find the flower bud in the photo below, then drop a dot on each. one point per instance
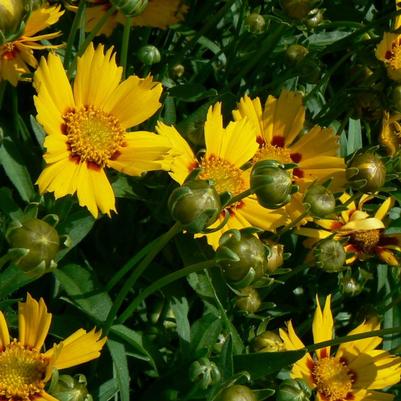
(205, 372)
(271, 183)
(13, 15)
(350, 286)
(177, 71)
(149, 55)
(296, 53)
(130, 8)
(237, 392)
(256, 23)
(249, 301)
(70, 388)
(329, 255)
(314, 18)
(40, 240)
(249, 256)
(275, 259)
(298, 9)
(268, 341)
(366, 172)
(293, 390)
(321, 200)
(196, 205)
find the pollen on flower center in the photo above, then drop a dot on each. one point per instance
(366, 240)
(93, 135)
(272, 152)
(393, 56)
(22, 373)
(333, 378)
(7, 51)
(226, 176)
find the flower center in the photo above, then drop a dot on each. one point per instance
(272, 152)
(21, 373)
(93, 135)
(333, 378)
(366, 240)
(8, 51)
(393, 56)
(226, 176)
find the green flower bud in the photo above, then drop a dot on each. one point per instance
(40, 240)
(237, 392)
(314, 18)
(249, 256)
(149, 55)
(350, 286)
(268, 341)
(321, 200)
(396, 98)
(366, 172)
(130, 8)
(70, 388)
(196, 205)
(13, 16)
(275, 259)
(296, 53)
(249, 301)
(205, 372)
(330, 255)
(256, 23)
(293, 390)
(177, 71)
(271, 183)
(298, 9)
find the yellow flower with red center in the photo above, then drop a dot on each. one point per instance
(354, 372)
(279, 136)
(158, 14)
(390, 135)
(227, 150)
(87, 126)
(362, 234)
(24, 369)
(17, 56)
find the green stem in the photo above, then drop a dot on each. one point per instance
(240, 196)
(73, 32)
(166, 280)
(124, 45)
(92, 35)
(3, 85)
(162, 241)
(354, 337)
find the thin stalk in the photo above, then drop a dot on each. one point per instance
(166, 280)
(162, 241)
(125, 45)
(73, 32)
(240, 196)
(3, 85)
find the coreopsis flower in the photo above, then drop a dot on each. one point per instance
(158, 14)
(25, 369)
(354, 372)
(363, 236)
(17, 56)
(278, 126)
(227, 150)
(390, 135)
(87, 126)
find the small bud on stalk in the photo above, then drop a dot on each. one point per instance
(314, 18)
(13, 16)
(249, 301)
(196, 205)
(149, 55)
(298, 9)
(70, 388)
(329, 255)
(205, 372)
(293, 390)
(296, 53)
(130, 8)
(268, 341)
(321, 200)
(177, 71)
(256, 23)
(237, 392)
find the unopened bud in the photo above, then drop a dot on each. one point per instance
(296, 53)
(249, 301)
(293, 390)
(70, 388)
(321, 200)
(130, 8)
(330, 255)
(298, 9)
(237, 392)
(256, 23)
(205, 372)
(149, 55)
(268, 341)
(275, 259)
(314, 18)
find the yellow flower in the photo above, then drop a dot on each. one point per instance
(227, 150)
(390, 135)
(279, 127)
(24, 368)
(86, 127)
(354, 372)
(17, 56)
(362, 234)
(158, 14)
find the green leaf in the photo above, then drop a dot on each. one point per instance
(15, 169)
(83, 289)
(107, 390)
(204, 332)
(12, 279)
(38, 131)
(180, 308)
(354, 141)
(8, 205)
(120, 363)
(191, 92)
(260, 364)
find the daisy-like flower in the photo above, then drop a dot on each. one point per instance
(17, 56)
(390, 135)
(158, 14)
(363, 235)
(25, 370)
(87, 126)
(227, 150)
(279, 125)
(354, 372)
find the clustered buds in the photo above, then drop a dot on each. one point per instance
(204, 372)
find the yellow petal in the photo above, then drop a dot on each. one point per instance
(4, 333)
(387, 256)
(384, 208)
(34, 322)
(41, 19)
(322, 326)
(370, 223)
(377, 396)
(252, 110)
